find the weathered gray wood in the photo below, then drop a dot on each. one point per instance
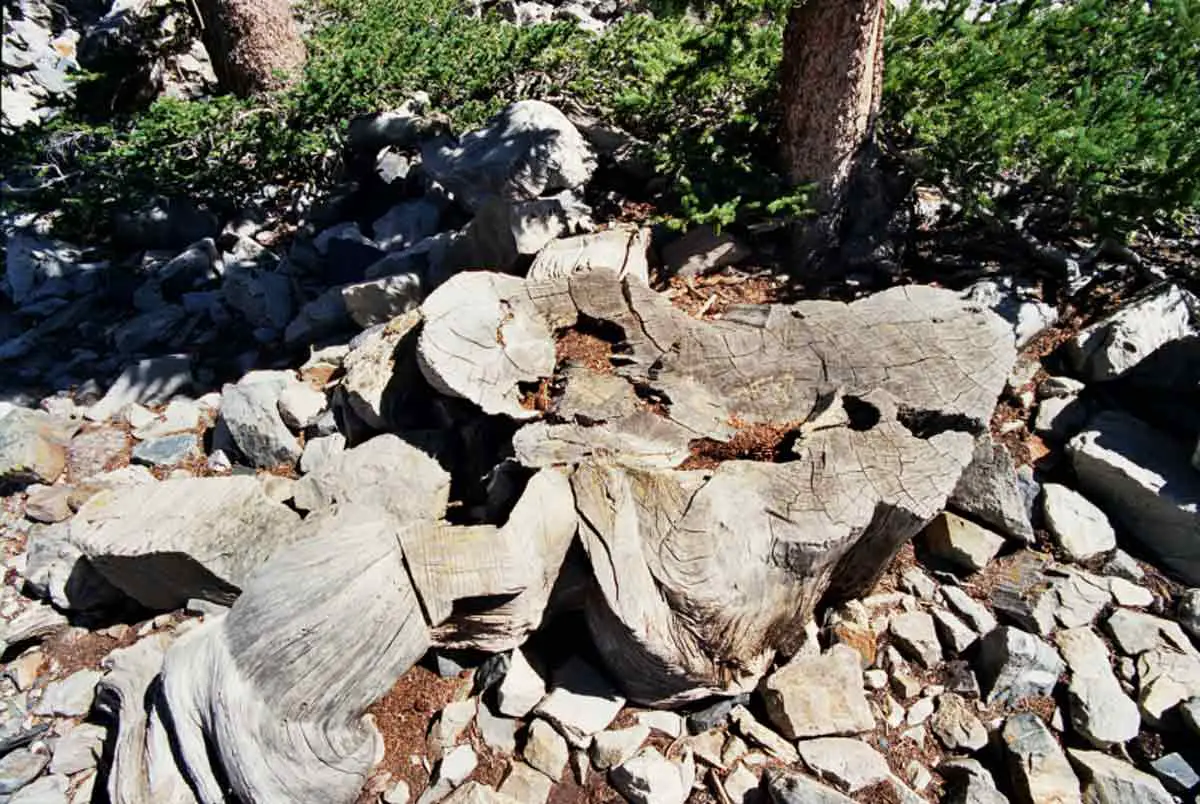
(621, 250)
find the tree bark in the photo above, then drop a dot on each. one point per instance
(254, 45)
(831, 81)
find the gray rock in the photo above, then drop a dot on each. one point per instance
(450, 724)
(166, 451)
(1123, 565)
(70, 697)
(1110, 780)
(1043, 597)
(180, 415)
(662, 721)
(150, 329)
(1080, 529)
(961, 542)
(916, 582)
(397, 794)
(989, 491)
(378, 301)
(48, 504)
(318, 319)
(817, 696)
(319, 451)
(582, 702)
(1188, 612)
(713, 715)
(1125, 593)
(522, 688)
(1060, 418)
(1059, 387)
(1190, 712)
(546, 750)
(300, 405)
(250, 413)
(745, 724)
(956, 635)
(957, 726)
(975, 613)
(620, 249)
(78, 750)
(526, 785)
(1136, 632)
(1144, 481)
(848, 764)
(914, 633)
(19, 768)
(651, 778)
(33, 447)
(528, 151)
(1100, 711)
(193, 538)
(1165, 680)
(611, 748)
(47, 790)
(1014, 664)
(455, 766)
(1108, 349)
(702, 251)
(406, 224)
(786, 787)
(372, 375)
(32, 262)
(403, 127)
(1040, 770)
(498, 733)
(1016, 304)
(57, 571)
(1176, 774)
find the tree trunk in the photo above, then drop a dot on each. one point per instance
(831, 80)
(254, 45)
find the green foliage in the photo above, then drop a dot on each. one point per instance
(1095, 102)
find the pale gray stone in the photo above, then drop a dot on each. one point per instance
(498, 733)
(377, 301)
(916, 636)
(848, 764)
(1108, 349)
(1100, 711)
(47, 790)
(169, 450)
(406, 224)
(990, 492)
(957, 726)
(455, 766)
(1014, 664)
(250, 414)
(745, 724)
(1126, 593)
(19, 768)
(702, 251)
(300, 404)
(33, 446)
(1107, 779)
(661, 720)
(582, 702)
(650, 778)
(70, 697)
(786, 787)
(1040, 770)
(319, 451)
(620, 249)
(1136, 632)
(1059, 418)
(48, 504)
(956, 635)
(1080, 529)
(1188, 612)
(961, 542)
(611, 748)
(546, 749)
(526, 785)
(78, 750)
(816, 696)
(1176, 774)
(522, 688)
(1166, 679)
(975, 613)
(450, 724)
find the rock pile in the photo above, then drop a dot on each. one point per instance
(650, 554)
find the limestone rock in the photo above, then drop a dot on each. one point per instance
(956, 635)
(1060, 418)
(19, 768)
(975, 613)
(581, 703)
(817, 696)
(1043, 597)
(1080, 529)
(195, 538)
(451, 771)
(990, 492)
(1040, 770)
(611, 748)
(651, 778)
(957, 726)
(1144, 481)
(1136, 632)
(318, 452)
(1188, 613)
(70, 697)
(546, 750)
(961, 543)
(848, 764)
(785, 787)
(1165, 680)
(1014, 664)
(916, 636)
(451, 722)
(1109, 779)
(756, 733)
(1100, 710)
(78, 750)
(33, 447)
(250, 414)
(48, 504)
(1175, 772)
(526, 785)
(300, 405)
(46, 790)
(166, 451)
(522, 688)
(149, 381)
(1111, 347)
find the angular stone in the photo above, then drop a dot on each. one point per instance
(48, 504)
(147, 382)
(968, 782)
(1100, 711)
(1126, 593)
(957, 726)
(1043, 597)
(372, 375)
(956, 635)
(1108, 349)
(451, 722)
(318, 452)
(848, 764)
(611, 748)
(526, 785)
(1176, 774)
(78, 750)
(1080, 529)
(668, 723)
(546, 750)
(747, 726)
(1136, 632)
(1112, 781)
(786, 787)
(1187, 613)
(990, 492)
(651, 778)
(498, 733)
(522, 688)
(250, 413)
(476, 793)
(455, 767)
(378, 301)
(916, 636)
(169, 450)
(1143, 479)
(919, 712)
(975, 613)
(70, 697)
(961, 542)
(1040, 770)
(582, 702)
(1060, 418)
(47, 790)
(300, 404)
(1165, 680)
(702, 251)
(33, 447)
(19, 768)
(195, 538)
(1014, 664)
(94, 452)
(816, 696)
(406, 224)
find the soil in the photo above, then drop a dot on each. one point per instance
(710, 297)
(751, 442)
(585, 348)
(73, 650)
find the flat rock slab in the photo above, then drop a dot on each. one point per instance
(1014, 664)
(1100, 710)
(146, 382)
(250, 414)
(848, 764)
(818, 696)
(33, 446)
(1143, 479)
(1112, 781)
(961, 543)
(191, 538)
(1080, 529)
(1040, 769)
(990, 491)
(1108, 349)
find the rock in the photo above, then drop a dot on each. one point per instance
(166, 451)
(668, 723)
(92, 453)
(320, 318)
(741, 786)
(1129, 594)
(611, 748)
(498, 733)
(48, 504)
(1100, 711)
(747, 726)
(47, 790)
(71, 697)
(960, 542)
(1060, 418)
(1123, 565)
(33, 447)
(956, 725)
(786, 787)
(1040, 770)
(914, 633)
(1144, 481)
(1165, 680)
(1176, 774)
(1043, 597)
(455, 766)
(1136, 632)
(546, 750)
(195, 538)
(581, 703)
(1190, 711)
(848, 764)
(180, 416)
(968, 782)
(816, 696)
(300, 405)
(522, 688)
(406, 224)
(1187, 613)
(1014, 664)
(1080, 529)
(373, 378)
(24, 670)
(319, 452)
(378, 301)
(621, 250)
(702, 251)
(526, 785)
(914, 581)
(650, 778)
(19, 768)
(1110, 780)
(713, 715)
(990, 492)
(1108, 349)
(971, 610)
(451, 722)
(250, 413)
(78, 750)
(956, 635)
(919, 712)
(529, 150)
(397, 794)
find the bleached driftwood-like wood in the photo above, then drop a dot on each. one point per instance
(621, 250)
